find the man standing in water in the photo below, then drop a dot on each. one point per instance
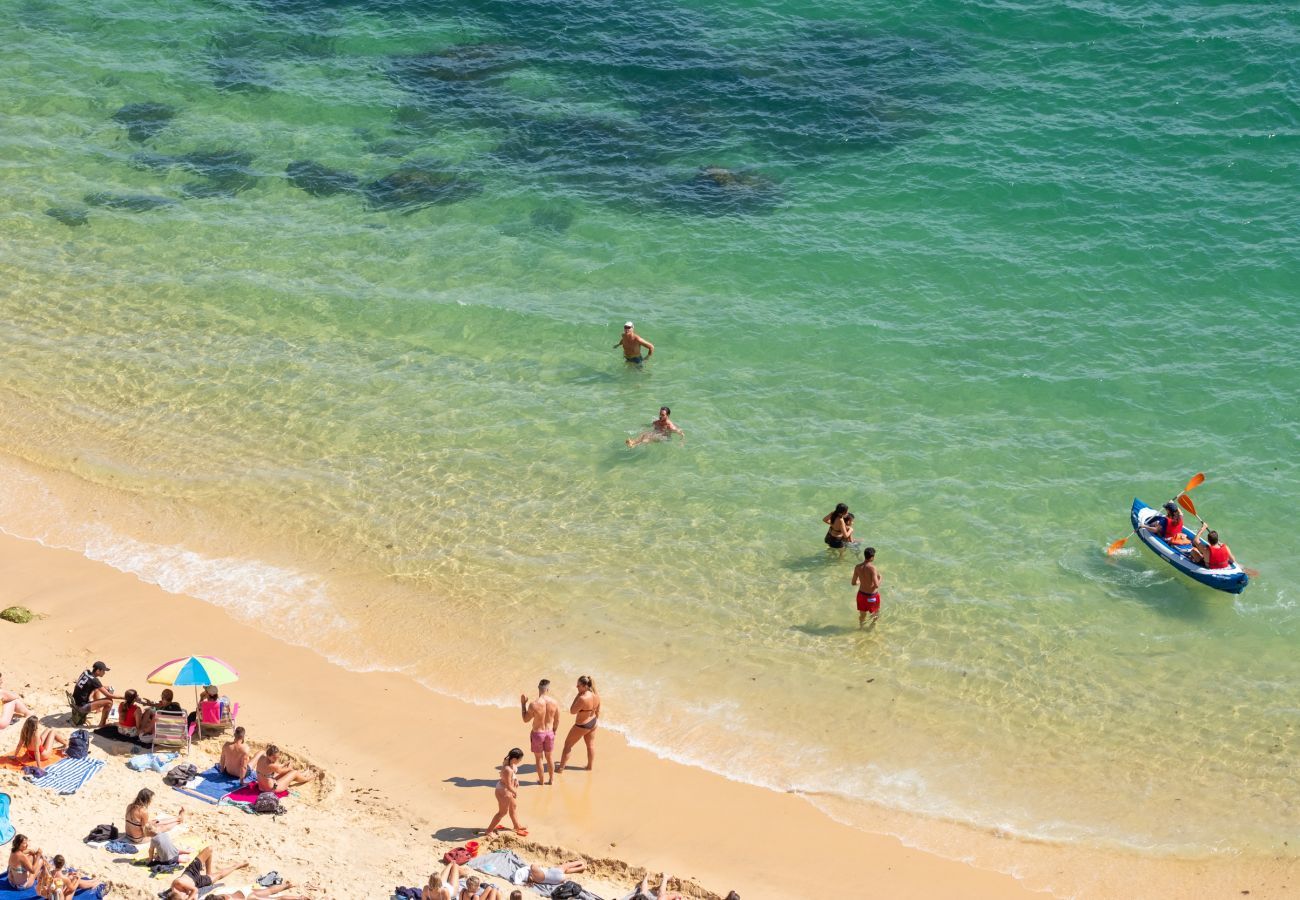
(661, 429)
(867, 577)
(631, 342)
(544, 716)
(586, 711)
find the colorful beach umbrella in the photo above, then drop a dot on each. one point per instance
(195, 670)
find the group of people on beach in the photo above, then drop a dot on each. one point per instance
(543, 717)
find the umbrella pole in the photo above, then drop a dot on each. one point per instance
(198, 713)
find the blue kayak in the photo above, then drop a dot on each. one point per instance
(1232, 579)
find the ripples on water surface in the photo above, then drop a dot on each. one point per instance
(348, 274)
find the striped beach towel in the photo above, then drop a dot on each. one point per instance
(67, 776)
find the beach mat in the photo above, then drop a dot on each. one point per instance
(111, 732)
(17, 764)
(249, 794)
(211, 786)
(67, 776)
(12, 893)
(499, 863)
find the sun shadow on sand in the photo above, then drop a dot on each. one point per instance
(455, 834)
(470, 782)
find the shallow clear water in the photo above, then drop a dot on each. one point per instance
(985, 271)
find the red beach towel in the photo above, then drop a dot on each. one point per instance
(249, 794)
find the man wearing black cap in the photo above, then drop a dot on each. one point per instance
(90, 694)
(631, 342)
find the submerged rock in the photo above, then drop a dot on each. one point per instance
(242, 75)
(553, 217)
(72, 216)
(462, 62)
(144, 120)
(132, 202)
(415, 187)
(319, 180)
(227, 172)
(717, 190)
(19, 615)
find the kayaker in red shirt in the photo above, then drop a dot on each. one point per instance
(1169, 526)
(1210, 553)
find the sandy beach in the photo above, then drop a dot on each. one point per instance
(405, 773)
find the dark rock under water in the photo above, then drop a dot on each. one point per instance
(319, 180)
(552, 217)
(415, 187)
(144, 120)
(131, 202)
(72, 216)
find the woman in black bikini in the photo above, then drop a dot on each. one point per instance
(835, 533)
(586, 709)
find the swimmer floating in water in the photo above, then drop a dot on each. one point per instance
(661, 429)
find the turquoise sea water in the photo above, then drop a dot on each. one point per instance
(983, 271)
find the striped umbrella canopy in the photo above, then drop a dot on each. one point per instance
(195, 670)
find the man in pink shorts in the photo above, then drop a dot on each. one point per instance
(867, 577)
(543, 714)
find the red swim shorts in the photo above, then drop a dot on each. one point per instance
(542, 741)
(869, 603)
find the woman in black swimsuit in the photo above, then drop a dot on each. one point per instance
(835, 533)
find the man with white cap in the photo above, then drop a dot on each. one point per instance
(631, 342)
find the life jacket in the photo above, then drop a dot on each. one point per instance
(1174, 530)
(1218, 557)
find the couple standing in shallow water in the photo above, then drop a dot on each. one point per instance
(866, 576)
(543, 715)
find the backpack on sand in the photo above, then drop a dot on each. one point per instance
(267, 802)
(567, 891)
(79, 744)
(180, 775)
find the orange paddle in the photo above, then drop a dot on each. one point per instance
(1183, 500)
(1186, 503)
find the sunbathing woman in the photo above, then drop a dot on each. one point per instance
(25, 864)
(508, 793)
(141, 829)
(11, 707)
(257, 892)
(57, 882)
(40, 746)
(436, 889)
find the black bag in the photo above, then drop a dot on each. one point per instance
(180, 775)
(101, 833)
(79, 744)
(569, 890)
(267, 802)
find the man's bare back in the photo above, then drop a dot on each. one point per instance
(234, 758)
(867, 577)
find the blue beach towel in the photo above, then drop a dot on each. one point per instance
(9, 893)
(155, 761)
(211, 786)
(6, 827)
(67, 776)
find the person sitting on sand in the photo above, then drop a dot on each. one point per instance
(273, 775)
(11, 706)
(508, 793)
(58, 882)
(661, 429)
(198, 875)
(257, 892)
(39, 745)
(130, 711)
(436, 889)
(235, 756)
(141, 828)
(641, 892)
(148, 716)
(25, 863)
(90, 694)
(535, 874)
(586, 710)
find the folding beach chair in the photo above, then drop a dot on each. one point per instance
(215, 716)
(6, 827)
(171, 729)
(78, 717)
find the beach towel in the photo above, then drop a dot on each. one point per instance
(18, 763)
(10, 893)
(155, 761)
(111, 732)
(249, 794)
(69, 775)
(210, 786)
(501, 863)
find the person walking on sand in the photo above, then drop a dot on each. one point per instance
(544, 716)
(586, 709)
(631, 342)
(508, 794)
(867, 577)
(661, 429)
